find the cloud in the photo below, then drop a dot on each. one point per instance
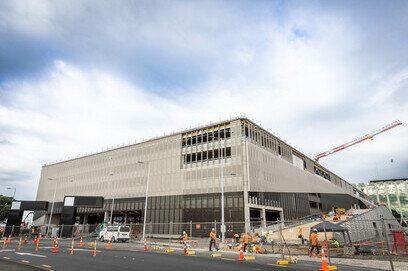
(78, 78)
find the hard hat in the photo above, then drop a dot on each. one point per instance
(213, 229)
(315, 229)
(184, 232)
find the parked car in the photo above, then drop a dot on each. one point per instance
(115, 233)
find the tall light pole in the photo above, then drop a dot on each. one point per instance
(14, 194)
(113, 194)
(147, 191)
(53, 201)
(52, 205)
(222, 196)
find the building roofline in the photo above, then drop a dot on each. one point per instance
(389, 180)
(153, 139)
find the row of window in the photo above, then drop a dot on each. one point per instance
(265, 140)
(207, 155)
(207, 137)
(322, 173)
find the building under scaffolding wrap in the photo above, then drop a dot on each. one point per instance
(264, 179)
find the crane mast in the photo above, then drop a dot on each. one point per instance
(358, 140)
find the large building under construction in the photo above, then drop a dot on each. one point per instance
(264, 179)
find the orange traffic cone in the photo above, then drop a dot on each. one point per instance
(185, 248)
(55, 250)
(145, 245)
(109, 244)
(25, 240)
(324, 262)
(80, 243)
(241, 254)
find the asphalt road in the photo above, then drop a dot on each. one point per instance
(112, 260)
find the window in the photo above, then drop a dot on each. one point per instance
(228, 133)
(204, 138)
(279, 150)
(198, 156)
(189, 141)
(210, 136)
(184, 142)
(198, 139)
(194, 140)
(193, 157)
(210, 155)
(204, 155)
(216, 154)
(221, 133)
(188, 158)
(215, 135)
(229, 152)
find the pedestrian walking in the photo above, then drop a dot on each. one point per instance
(213, 239)
(245, 239)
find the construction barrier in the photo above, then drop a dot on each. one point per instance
(94, 253)
(72, 247)
(185, 248)
(19, 244)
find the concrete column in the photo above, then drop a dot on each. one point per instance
(106, 217)
(85, 218)
(263, 213)
(126, 217)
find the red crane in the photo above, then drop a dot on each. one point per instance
(358, 140)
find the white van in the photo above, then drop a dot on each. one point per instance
(115, 233)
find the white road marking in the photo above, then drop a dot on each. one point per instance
(47, 266)
(6, 250)
(24, 261)
(30, 254)
(7, 258)
(83, 249)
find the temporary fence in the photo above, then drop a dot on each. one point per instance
(343, 238)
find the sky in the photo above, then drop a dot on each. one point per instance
(79, 77)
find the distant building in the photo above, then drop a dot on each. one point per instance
(391, 192)
(264, 179)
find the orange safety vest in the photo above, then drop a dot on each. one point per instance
(185, 237)
(212, 235)
(246, 238)
(300, 231)
(315, 240)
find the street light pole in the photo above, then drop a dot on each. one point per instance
(147, 191)
(52, 206)
(14, 194)
(222, 197)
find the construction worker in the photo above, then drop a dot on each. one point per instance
(300, 236)
(213, 239)
(245, 239)
(314, 241)
(185, 237)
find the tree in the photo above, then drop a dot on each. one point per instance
(5, 204)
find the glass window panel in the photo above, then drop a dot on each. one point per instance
(194, 140)
(204, 155)
(204, 137)
(198, 156)
(198, 139)
(210, 136)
